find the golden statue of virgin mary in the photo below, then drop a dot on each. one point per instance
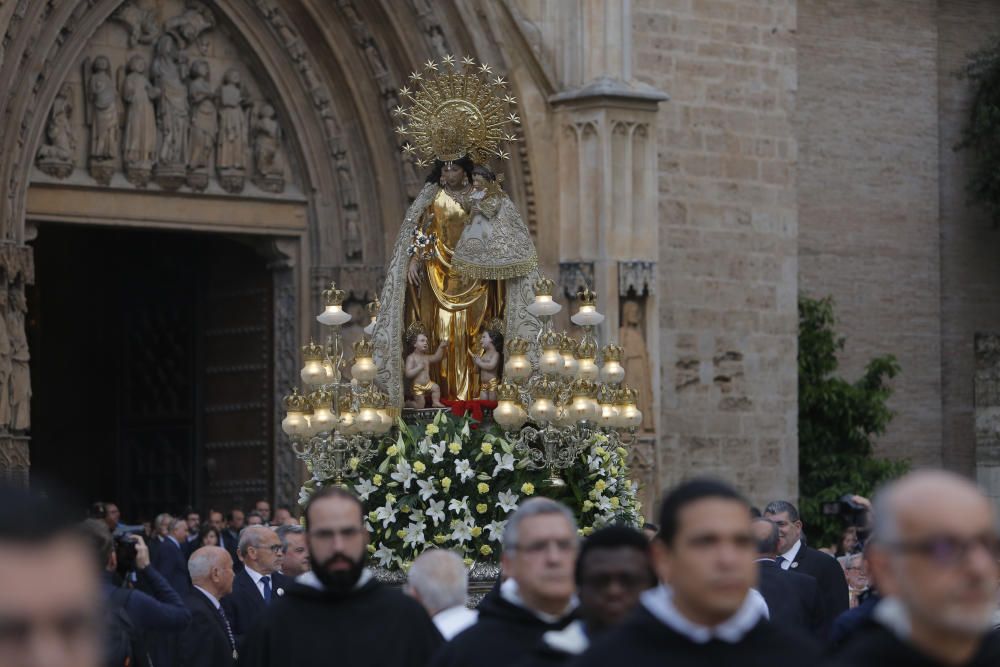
(463, 256)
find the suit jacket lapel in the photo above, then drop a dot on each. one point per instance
(251, 591)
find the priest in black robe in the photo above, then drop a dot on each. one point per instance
(934, 555)
(338, 614)
(705, 612)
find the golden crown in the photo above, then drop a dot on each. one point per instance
(516, 346)
(321, 398)
(363, 348)
(344, 403)
(544, 287)
(370, 398)
(587, 349)
(373, 307)
(498, 325)
(551, 340)
(568, 345)
(587, 297)
(612, 352)
(627, 395)
(415, 329)
(312, 351)
(333, 296)
(296, 402)
(606, 395)
(583, 388)
(456, 110)
(545, 388)
(507, 392)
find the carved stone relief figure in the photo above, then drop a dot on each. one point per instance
(232, 143)
(268, 157)
(204, 124)
(352, 236)
(55, 158)
(102, 115)
(169, 72)
(20, 379)
(140, 23)
(6, 361)
(140, 123)
(636, 360)
(188, 26)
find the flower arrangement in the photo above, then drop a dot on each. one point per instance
(422, 246)
(445, 484)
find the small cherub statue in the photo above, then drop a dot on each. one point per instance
(417, 369)
(490, 361)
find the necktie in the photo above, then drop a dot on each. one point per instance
(780, 560)
(229, 628)
(267, 589)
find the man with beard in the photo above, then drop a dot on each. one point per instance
(373, 624)
(934, 555)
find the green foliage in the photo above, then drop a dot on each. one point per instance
(838, 421)
(982, 134)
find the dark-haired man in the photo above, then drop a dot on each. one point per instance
(795, 554)
(706, 613)
(612, 570)
(793, 599)
(375, 624)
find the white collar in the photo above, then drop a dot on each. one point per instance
(659, 602)
(215, 601)
(509, 592)
(312, 581)
(891, 613)
(790, 555)
(572, 639)
(174, 540)
(255, 575)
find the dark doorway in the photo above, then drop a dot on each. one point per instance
(152, 364)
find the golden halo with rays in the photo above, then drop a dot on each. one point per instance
(456, 110)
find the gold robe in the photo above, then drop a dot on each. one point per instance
(449, 306)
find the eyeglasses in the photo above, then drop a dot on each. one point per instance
(948, 551)
(275, 548)
(543, 546)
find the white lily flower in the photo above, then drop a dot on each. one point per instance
(383, 555)
(465, 430)
(461, 531)
(414, 534)
(464, 470)
(504, 462)
(508, 501)
(364, 489)
(403, 475)
(438, 451)
(604, 504)
(459, 506)
(427, 489)
(386, 514)
(424, 445)
(495, 529)
(594, 462)
(436, 511)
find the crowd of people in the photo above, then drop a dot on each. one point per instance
(716, 582)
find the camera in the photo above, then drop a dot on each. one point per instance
(852, 513)
(125, 551)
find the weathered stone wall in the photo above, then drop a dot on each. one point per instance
(728, 249)
(867, 127)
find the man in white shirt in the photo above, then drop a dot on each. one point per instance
(260, 582)
(208, 640)
(439, 581)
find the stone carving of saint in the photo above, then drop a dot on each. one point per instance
(140, 122)
(20, 378)
(636, 360)
(188, 26)
(103, 117)
(172, 112)
(232, 142)
(352, 241)
(204, 124)
(55, 158)
(268, 158)
(6, 362)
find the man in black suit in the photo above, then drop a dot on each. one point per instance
(208, 640)
(793, 599)
(170, 561)
(796, 555)
(259, 583)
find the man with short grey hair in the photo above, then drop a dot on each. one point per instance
(295, 553)
(259, 583)
(439, 581)
(170, 560)
(539, 554)
(934, 554)
(209, 640)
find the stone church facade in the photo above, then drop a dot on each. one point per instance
(181, 178)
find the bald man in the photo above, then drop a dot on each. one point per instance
(439, 581)
(209, 640)
(934, 554)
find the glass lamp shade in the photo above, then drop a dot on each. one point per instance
(370, 329)
(609, 415)
(631, 416)
(551, 362)
(587, 370)
(323, 420)
(363, 369)
(313, 373)
(543, 306)
(570, 365)
(386, 421)
(368, 420)
(333, 316)
(542, 410)
(295, 423)
(587, 316)
(612, 372)
(517, 367)
(582, 409)
(509, 415)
